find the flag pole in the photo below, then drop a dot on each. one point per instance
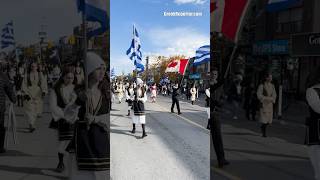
(15, 45)
(184, 72)
(85, 57)
(230, 60)
(85, 48)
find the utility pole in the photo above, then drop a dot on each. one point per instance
(147, 68)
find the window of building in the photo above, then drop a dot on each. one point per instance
(290, 21)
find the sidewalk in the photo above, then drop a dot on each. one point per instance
(282, 155)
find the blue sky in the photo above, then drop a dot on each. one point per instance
(159, 35)
(60, 16)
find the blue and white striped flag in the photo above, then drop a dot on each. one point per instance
(278, 5)
(7, 37)
(134, 52)
(202, 55)
(96, 11)
(113, 74)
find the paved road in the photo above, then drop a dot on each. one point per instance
(280, 156)
(175, 148)
(35, 155)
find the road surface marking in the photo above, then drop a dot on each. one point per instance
(225, 174)
(184, 118)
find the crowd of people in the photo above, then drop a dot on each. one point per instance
(79, 113)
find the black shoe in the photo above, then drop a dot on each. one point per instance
(128, 114)
(133, 131)
(172, 111)
(31, 129)
(3, 150)
(144, 135)
(223, 163)
(179, 113)
(60, 168)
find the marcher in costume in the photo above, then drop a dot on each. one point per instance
(153, 89)
(79, 74)
(90, 147)
(208, 105)
(139, 117)
(18, 84)
(6, 90)
(129, 97)
(34, 88)
(193, 92)
(62, 96)
(267, 96)
(44, 74)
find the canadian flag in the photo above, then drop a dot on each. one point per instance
(178, 66)
(227, 16)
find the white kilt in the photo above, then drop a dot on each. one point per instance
(208, 112)
(138, 119)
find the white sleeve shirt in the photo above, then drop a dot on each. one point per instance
(313, 98)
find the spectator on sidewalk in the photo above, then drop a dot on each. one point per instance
(6, 89)
(312, 123)
(267, 96)
(188, 95)
(235, 95)
(250, 102)
(216, 87)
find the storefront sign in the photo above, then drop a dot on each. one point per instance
(305, 44)
(275, 47)
(194, 76)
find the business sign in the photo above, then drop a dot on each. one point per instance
(194, 76)
(274, 47)
(305, 44)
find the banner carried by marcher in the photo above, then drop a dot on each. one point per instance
(95, 11)
(227, 17)
(134, 51)
(177, 66)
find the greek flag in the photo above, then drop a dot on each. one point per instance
(7, 37)
(96, 11)
(202, 55)
(278, 5)
(134, 52)
(113, 74)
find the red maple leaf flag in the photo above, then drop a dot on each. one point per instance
(227, 16)
(177, 66)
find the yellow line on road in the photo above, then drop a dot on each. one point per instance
(225, 174)
(184, 118)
